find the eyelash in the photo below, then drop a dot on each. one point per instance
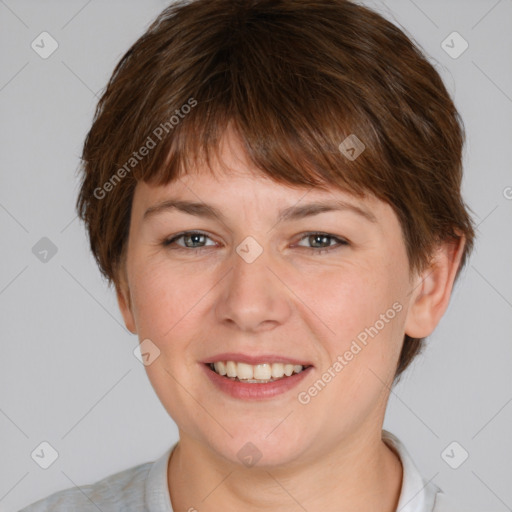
(172, 241)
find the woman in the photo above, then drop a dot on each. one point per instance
(273, 188)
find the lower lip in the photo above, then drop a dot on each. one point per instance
(255, 391)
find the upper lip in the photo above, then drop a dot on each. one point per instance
(254, 359)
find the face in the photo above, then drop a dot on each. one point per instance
(329, 290)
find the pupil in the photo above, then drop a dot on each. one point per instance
(194, 237)
(322, 238)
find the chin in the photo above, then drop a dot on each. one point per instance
(251, 447)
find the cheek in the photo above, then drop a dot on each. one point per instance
(364, 311)
(350, 299)
(363, 308)
(167, 305)
(163, 294)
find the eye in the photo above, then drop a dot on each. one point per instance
(193, 236)
(194, 241)
(319, 241)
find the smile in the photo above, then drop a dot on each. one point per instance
(260, 381)
(255, 374)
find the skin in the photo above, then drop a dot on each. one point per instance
(326, 455)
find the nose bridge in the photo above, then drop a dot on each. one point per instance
(252, 295)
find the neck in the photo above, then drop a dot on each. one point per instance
(357, 476)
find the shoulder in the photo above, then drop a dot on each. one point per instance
(444, 503)
(119, 491)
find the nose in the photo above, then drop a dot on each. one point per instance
(253, 296)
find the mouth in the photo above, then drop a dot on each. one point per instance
(263, 373)
(248, 377)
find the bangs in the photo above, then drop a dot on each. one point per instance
(308, 156)
(265, 82)
(284, 145)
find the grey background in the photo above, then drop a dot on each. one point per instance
(68, 374)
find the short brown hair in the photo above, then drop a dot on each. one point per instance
(295, 78)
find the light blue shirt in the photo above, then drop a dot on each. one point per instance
(144, 488)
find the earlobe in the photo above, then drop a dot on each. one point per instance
(124, 301)
(432, 289)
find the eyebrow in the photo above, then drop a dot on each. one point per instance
(288, 214)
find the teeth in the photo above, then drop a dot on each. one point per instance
(262, 372)
(277, 370)
(231, 369)
(265, 372)
(220, 368)
(244, 371)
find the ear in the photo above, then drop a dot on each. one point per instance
(124, 301)
(432, 289)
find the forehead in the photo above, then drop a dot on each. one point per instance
(232, 180)
(250, 197)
